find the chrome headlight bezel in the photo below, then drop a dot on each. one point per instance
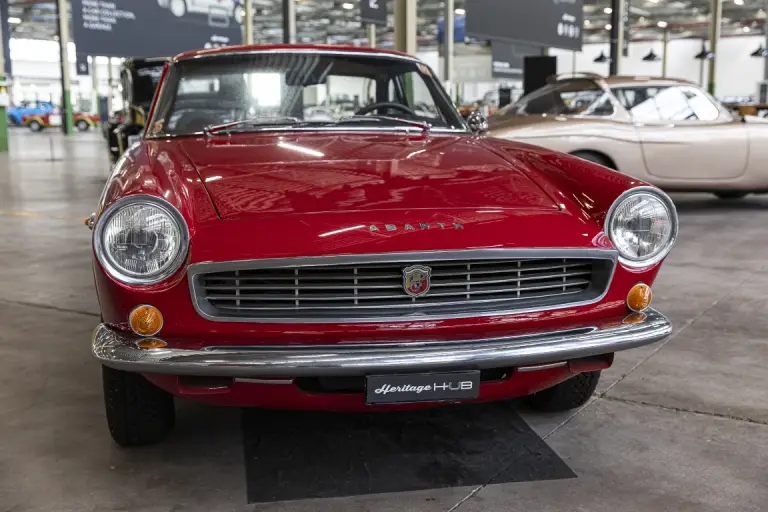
(669, 207)
(137, 200)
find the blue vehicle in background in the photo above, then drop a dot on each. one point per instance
(17, 113)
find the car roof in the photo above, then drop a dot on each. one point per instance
(624, 80)
(228, 50)
(644, 80)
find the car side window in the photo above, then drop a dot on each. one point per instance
(704, 109)
(665, 104)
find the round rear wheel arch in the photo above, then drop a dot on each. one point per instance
(596, 157)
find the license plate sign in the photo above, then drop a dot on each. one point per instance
(422, 387)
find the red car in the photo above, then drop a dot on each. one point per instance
(246, 255)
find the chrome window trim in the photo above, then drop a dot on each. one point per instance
(409, 130)
(254, 51)
(197, 269)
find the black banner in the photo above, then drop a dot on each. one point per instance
(507, 58)
(550, 23)
(374, 11)
(129, 28)
(6, 28)
(81, 64)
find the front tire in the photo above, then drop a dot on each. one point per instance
(596, 158)
(82, 125)
(138, 413)
(567, 395)
(35, 126)
(730, 195)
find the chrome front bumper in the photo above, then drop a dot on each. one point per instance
(118, 349)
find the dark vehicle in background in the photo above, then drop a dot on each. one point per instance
(139, 78)
(117, 118)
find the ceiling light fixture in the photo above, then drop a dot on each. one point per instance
(586, 23)
(661, 24)
(14, 21)
(460, 12)
(738, 2)
(602, 58)
(607, 10)
(348, 5)
(745, 29)
(608, 26)
(651, 57)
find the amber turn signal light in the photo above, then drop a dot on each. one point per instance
(146, 320)
(639, 297)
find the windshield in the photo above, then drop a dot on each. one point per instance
(268, 90)
(568, 97)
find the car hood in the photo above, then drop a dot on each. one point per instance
(335, 172)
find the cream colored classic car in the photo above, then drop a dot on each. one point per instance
(664, 131)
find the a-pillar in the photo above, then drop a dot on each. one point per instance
(716, 18)
(66, 102)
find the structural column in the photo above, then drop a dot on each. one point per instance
(714, 37)
(289, 21)
(448, 39)
(94, 85)
(765, 60)
(248, 23)
(4, 86)
(664, 53)
(617, 36)
(66, 103)
(405, 26)
(371, 35)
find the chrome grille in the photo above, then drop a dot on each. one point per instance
(373, 290)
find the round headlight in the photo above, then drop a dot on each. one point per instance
(642, 224)
(141, 240)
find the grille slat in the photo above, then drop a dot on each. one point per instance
(377, 306)
(339, 292)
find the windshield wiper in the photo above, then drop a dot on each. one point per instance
(424, 127)
(256, 121)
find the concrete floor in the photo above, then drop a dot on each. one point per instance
(678, 426)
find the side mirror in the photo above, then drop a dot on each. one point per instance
(477, 122)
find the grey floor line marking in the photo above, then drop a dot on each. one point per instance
(683, 409)
(601, 395)
(49, 307)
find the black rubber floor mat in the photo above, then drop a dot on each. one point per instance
(299, 455)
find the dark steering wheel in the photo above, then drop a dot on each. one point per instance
(384, 105)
